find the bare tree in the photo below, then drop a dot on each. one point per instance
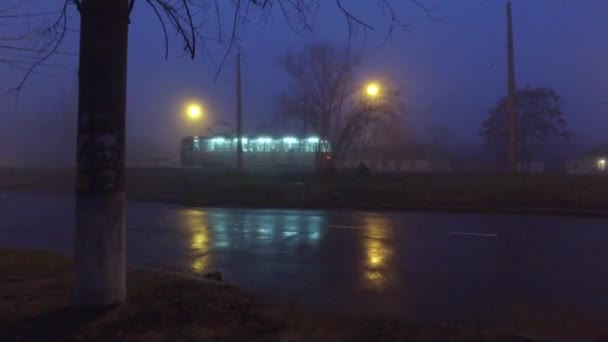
(327, 98)
(32, 38)
(100, 194)
(540, 119)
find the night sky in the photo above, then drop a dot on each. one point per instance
(451, 68)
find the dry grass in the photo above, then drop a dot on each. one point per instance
(532, 193)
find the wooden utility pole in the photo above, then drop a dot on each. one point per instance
(511, 100)
(239, 115)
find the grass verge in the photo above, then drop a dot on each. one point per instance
(585, 195)
(35, 293)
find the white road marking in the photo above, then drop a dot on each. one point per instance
(475, 234)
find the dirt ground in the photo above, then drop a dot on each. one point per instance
(35, 296)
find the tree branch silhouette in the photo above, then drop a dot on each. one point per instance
(186, 21)
(49, 39)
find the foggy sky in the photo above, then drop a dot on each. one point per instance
(451, 69)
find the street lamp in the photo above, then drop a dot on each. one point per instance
(372, 90)
(601, 164)
(194, 111)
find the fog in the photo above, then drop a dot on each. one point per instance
(451, 69)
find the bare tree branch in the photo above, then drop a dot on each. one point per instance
(189, 19)
(77, 3)
(352, 18)
(426, 9)
(162, 23)
(54, 36)
(131, 4)
(325, 96)
(233, 37)
(298, 14)
(24, 49)
(191, 24)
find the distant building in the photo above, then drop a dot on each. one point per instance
(539, 158)
(406, 158)
(593, 161)
(533, 166)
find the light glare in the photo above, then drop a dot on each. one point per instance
(194, 111)
(373, 89)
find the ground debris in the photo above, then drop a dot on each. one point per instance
(215, 276)
(166, 307)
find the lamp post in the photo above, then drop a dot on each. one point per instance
(512, 94)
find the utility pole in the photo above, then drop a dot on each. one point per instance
(239, 115)
(511, 100)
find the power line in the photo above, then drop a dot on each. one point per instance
(28, 15)
(23, 49)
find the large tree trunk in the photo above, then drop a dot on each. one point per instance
(100, 194)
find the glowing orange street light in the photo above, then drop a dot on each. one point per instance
(194, 111)
(372, 90)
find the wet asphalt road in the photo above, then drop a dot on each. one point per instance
(429, 266)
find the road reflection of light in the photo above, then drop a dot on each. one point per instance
(314, 228)
(378, 251)
(289, 234)
(291, 221)
(266, 226)
(375, 253)
(199, 240)
(198, 225)
(200, 264)
(290, 225)
(265, 231)
(219, 223)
